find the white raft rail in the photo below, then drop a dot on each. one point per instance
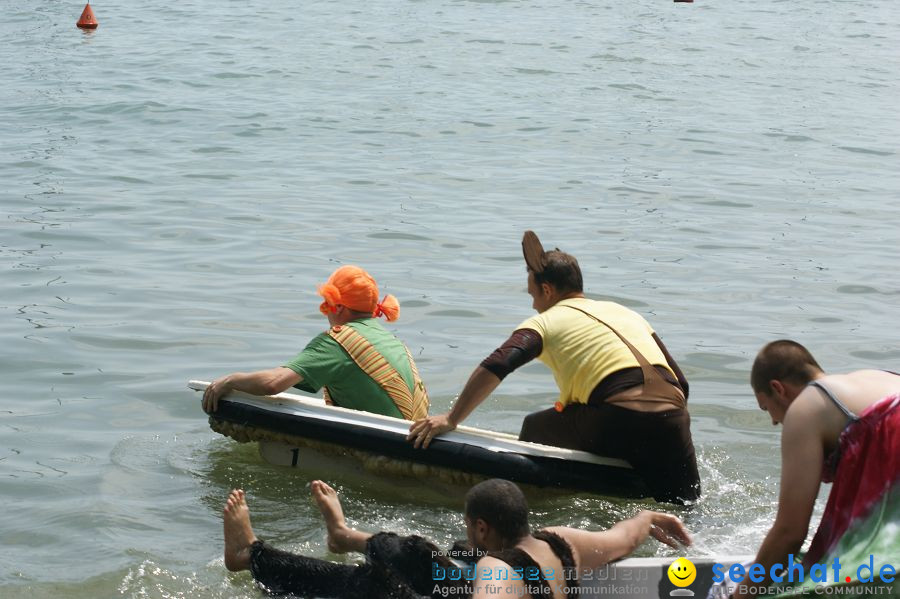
(469, 450)
(648, 578)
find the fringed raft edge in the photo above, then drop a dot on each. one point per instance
(374, 463)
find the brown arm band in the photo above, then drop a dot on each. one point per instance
(523, 346)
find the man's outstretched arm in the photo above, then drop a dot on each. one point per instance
(801, 467)
(596, 549)
(261, 382)
(522, 346)
(481, 383)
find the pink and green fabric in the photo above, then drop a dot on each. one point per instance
(862, 516)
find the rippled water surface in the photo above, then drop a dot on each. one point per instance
(177, 182)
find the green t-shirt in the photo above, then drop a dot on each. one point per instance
(324, 363)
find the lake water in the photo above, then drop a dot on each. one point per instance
(176, 183)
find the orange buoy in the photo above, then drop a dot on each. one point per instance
(87, 20)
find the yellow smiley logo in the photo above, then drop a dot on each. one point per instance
(682, 572)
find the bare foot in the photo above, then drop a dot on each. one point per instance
(330, 506)
(341, 538)
(238, 533)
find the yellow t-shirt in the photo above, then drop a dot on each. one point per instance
(581, 352)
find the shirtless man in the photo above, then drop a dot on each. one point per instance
(841, 427)
(496, 517)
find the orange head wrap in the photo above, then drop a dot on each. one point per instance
(354, 288)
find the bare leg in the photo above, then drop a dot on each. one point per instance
(238, 533)
(341, 538)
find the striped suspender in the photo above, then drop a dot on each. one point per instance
(412, 405)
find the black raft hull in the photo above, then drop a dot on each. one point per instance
(285, 423)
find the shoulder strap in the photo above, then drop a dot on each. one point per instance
(655, 387)
(412, 404)
(518, 559)
(850, 415)
(562, 550)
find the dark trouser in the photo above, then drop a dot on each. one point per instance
(396, 568)
(657, 444)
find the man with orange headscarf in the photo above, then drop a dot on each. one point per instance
(359, 363)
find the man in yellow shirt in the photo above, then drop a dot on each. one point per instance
(621, 394)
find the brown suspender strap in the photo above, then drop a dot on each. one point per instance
(656, 388)
(412, 405)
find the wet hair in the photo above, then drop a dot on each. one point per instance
(560, 270)
(501, 505)
(782, 360)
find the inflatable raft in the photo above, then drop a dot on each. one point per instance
(298, 431)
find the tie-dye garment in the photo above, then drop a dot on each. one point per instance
(862, 516)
